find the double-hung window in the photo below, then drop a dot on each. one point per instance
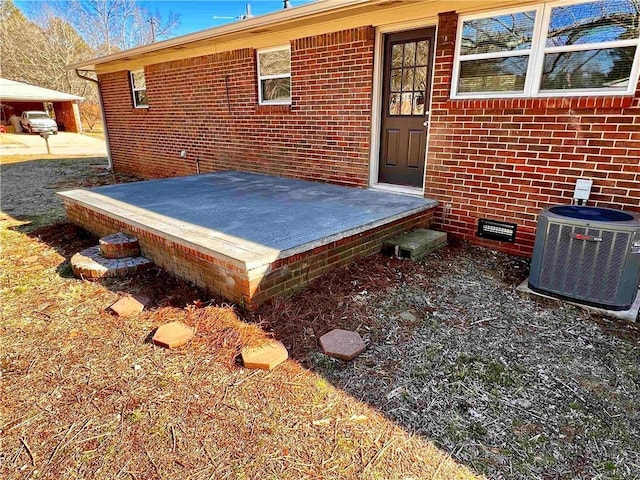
(274, 76)
(552, 49)
(138, 89)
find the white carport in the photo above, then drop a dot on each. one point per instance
(16, 97)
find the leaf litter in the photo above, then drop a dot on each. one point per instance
(460, 371)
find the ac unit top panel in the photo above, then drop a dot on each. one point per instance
(602, 218)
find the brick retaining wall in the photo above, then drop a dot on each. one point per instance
(247, 288)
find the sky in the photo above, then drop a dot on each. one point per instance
(196, 15)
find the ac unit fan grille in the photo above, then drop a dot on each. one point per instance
(587, 270)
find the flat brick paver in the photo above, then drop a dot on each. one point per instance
(266, 357)
(172, 335)
(129, 304)
(342, 344)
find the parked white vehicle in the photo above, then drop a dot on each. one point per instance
(35, 121)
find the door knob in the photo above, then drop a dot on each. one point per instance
(426, 123)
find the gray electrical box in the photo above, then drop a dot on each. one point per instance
(589, 255)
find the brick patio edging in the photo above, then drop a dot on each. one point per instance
(249, 289)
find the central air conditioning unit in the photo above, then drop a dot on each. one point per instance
(589, 255)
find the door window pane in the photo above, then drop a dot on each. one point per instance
(420, 80)
(394, 104)
(396, 80)
(422, 56)
(407, 104)
(409, 54)
(396, 55)
(418, 104)
(407, 80)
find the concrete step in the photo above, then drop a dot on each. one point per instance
(91, 264)
(119, 245)
(416, 244)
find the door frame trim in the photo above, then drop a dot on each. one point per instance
(376, 102)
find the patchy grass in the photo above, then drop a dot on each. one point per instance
(84, 393)
(29, 184)
(461, 373)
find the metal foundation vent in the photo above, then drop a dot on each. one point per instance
(587, 254)
(494, 230)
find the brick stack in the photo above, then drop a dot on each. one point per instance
(117, 255)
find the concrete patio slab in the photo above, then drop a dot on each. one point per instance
(245, 235)
(251, 218)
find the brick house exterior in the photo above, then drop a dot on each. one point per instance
(320, 136)
(498, 158)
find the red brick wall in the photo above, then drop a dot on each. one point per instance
(285, 276)
(324, 135)
(506, 159)
(64, 115)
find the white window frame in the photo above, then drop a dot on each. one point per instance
(261, 101)
(135, 89)
(536, 57)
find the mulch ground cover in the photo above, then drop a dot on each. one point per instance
(462, 377)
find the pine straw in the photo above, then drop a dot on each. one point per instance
(336, 300)
(85, 395)
(513, 387)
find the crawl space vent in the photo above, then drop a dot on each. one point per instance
(494, 230)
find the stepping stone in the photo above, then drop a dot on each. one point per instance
(416, 244)
(172, 335)
(407, 316)
(265, 357)
(342, 344)
(119, 245)
(91, 264)
(129, 304)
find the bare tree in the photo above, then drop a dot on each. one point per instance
(39, 51)
(112, 25)
(90, 113)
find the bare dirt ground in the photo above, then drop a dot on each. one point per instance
(462, 377)
(64, 143)
(28, 184)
